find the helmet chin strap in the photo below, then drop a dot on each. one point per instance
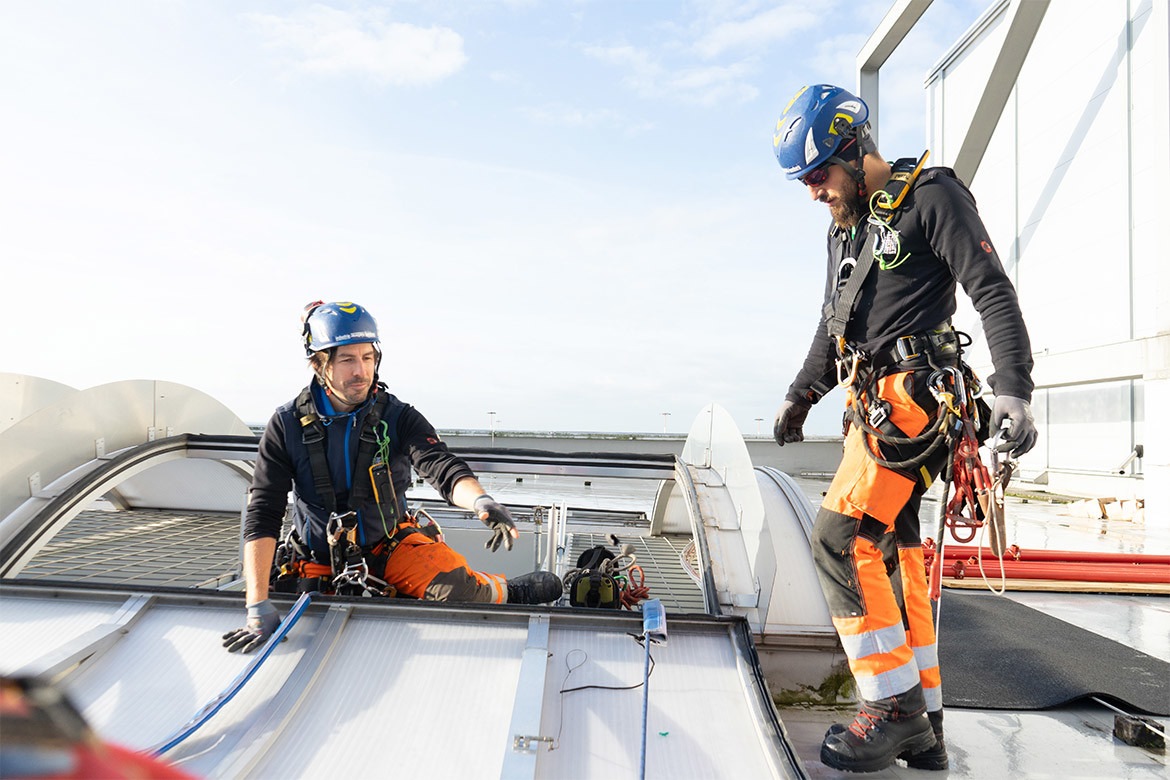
(857, 172)
(864, 145)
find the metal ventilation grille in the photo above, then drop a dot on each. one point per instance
(140, 546)
(660, 559)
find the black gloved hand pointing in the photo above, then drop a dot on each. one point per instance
(496, 517)
(263, 620)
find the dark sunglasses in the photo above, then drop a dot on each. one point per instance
(817, 176)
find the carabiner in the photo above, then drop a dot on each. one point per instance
(847, 380)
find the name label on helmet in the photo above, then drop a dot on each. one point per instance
(358, 336)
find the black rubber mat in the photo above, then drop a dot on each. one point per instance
(998, 654)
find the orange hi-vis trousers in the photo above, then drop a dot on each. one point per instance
(867, 548)
(429, 569)
(426, 568)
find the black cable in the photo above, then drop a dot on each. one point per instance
(637, 638)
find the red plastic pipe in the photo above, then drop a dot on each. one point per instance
(962, 552)
(1076, 571)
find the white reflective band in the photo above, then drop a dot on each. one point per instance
(926, 657)
(933, 698)
(884, 640)
(887, 684)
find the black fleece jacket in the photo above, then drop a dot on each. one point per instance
(940, 229)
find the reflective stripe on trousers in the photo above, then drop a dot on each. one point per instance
(868, 553)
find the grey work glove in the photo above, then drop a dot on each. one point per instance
(789, 424)
(1021, 435)
(262, 623)
(496, 517)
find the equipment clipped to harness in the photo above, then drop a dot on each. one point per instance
(351, 573)
(382, 479)
(883, 207)
(886, 201)
(384, 494)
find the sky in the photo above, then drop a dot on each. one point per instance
(565, 213)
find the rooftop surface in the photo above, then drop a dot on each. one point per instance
(162, 550)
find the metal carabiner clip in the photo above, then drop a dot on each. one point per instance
(849, 357)
(335, 526)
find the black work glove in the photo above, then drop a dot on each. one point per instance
(1021, 436)
(496, 517)
(789, 424)
(263, 621)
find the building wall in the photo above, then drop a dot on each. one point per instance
(1073, 187)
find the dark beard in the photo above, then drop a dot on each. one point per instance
(848, 211)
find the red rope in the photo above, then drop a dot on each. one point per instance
(968, 506)
(632, 593)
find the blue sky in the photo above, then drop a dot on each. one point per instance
(564, 212)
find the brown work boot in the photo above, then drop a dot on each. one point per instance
(880, 732)
(934, 758)
(536, 587)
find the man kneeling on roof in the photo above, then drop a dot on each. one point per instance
(345, 446)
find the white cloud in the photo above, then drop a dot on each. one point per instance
(712, 85)
(332, 42)
(571, 116)
(702, 85)
(766, 27)
(565, 115)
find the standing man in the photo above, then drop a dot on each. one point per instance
(900, 239)
(345, 446)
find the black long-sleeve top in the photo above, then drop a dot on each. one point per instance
(283, 464)
(939, 226)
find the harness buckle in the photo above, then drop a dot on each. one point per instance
(906, 349)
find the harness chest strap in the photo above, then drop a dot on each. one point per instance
(313, 437)
(839, 310)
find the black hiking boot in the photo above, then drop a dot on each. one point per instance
(537, 587)
(934, 759)
(881, 731)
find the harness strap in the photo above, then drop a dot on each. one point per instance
(313, 437)
(367, 446)
(386, 547)
(319, 576)
(936, 346)
(839, 311)
(905, 174)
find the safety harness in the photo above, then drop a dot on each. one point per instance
(313, 437)
(961, 424)
(348, 572)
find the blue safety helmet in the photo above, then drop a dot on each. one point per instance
(817, 123)
(329, 325)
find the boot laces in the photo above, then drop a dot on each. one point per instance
(864, 722)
